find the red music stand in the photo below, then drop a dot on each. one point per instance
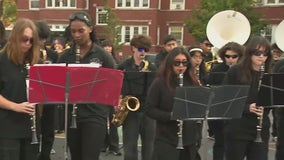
(74, 84)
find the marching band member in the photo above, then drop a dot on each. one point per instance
(138, 123)
(86, 141)
(15, 112)
(159, 106)
(230, 54)
(241, 134)
(46, 115)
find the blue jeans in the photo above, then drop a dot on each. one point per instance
(137, 123)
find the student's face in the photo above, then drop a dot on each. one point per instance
(108, 49)
(196, 59)
(26, 40)
(80, 32)
(258, 59)
(169, 46)
(231, 57)
(180, 64)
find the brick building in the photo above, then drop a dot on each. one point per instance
(155, 18)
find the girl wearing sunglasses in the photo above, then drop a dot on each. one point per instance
(241, 134)
(159, 105)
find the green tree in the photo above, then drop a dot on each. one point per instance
(196, 22)
(113, 27)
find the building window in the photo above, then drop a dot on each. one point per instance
(61, 3)
(177, 4)
(274, 2)
(102, 16)
(34, 4)
(178, 33)
(132, 3)
(127, 32)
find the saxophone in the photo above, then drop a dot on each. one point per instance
(127, 103)
(144, 65)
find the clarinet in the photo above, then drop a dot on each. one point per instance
(74, 110)
(180, 122)
(258, 138)
(33, 116)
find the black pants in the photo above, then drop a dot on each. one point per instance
(217, 129)
(280, 140)
(17, 149)
(137, 123)
(111, 140)
(236, 149)
(86, 142)
(47, 131)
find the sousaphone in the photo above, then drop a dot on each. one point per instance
(228, 26)
(279, 32)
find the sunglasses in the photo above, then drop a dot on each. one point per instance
(231, 56)
(184, 63)
(143, 50)
(258, 53)
(81, 17)
(26, 39)
(208, 44)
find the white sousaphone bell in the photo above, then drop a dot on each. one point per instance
(279, 32)
(228, 26)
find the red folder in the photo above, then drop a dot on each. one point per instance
(80, 84)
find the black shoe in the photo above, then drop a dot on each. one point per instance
(116, 153)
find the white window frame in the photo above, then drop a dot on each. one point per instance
(177, 5)
(101, 11)
(34, 1)
(140, 30)
(276, 2)
(124, 4)
(178, 37)
(53, 5)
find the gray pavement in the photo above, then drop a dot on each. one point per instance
(205, 151)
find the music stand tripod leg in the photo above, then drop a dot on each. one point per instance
(67, 87)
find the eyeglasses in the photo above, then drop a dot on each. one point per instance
(81, 17)
(258, 53)
(184, 63)
(26, 39)
(143, 50)
(231, 56)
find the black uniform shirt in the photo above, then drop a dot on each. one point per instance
(13, 88)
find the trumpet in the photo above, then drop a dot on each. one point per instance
(75, 107)
(209, 64)
(180, 122)
(258, 138)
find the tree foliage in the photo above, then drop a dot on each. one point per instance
(8, 11)
(196, 23)
(112, 29)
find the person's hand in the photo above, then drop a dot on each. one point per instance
(258, 110)
(24, 107)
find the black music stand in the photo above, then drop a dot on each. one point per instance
(271, 90)
(137, 83)
(215, 102)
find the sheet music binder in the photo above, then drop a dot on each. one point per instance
(271, 90)
(87, 84)
(215, 102)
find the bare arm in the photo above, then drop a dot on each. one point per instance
(24, 107)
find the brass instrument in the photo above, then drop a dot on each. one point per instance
(33, 116)
(74, 108)
(258, 138)
(279, 31)
(144, 65)
(127, 103)
(180, 122)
